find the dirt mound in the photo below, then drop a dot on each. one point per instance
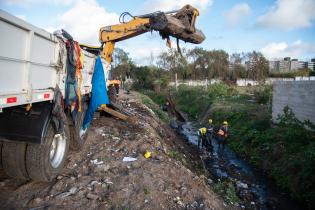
(97, 177)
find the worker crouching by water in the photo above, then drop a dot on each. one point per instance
(221, 137)
(203, 141)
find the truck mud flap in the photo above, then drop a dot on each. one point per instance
(16, 124)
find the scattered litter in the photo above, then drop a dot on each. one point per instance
(70, 192)
(96, 162)
(114, 150)
(115, 138)
(129, 159)
(147, 154)
(108, 182)
(94, 182)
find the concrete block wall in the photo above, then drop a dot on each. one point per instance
(298, 95)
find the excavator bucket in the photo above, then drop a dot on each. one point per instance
(179, 24)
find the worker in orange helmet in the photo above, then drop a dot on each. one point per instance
(221, 137)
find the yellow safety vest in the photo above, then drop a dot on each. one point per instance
(203, 130)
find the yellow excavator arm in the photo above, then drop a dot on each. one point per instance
(179, 24)
(109, 35)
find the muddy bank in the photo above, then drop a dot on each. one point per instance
(97, 177)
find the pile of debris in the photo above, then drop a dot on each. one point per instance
(136, 164)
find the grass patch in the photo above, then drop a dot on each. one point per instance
(146, 191)
(286, 151)
(155, 108)
(227, 191)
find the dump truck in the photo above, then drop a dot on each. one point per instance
(40, 117)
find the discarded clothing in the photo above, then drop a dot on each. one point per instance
(99, 92)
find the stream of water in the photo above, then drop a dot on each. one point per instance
(254, 189)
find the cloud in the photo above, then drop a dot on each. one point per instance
(289, 15)
(237, 13)
(296, 49)
(167, 5)
(40, 2)
(84, 20)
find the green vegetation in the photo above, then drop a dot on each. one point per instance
(227, 191)
(155, 108)
(146, 190)
(300, 73)
(286, 150)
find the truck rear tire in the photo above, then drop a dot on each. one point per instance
(44, 161)
(78, 138)
(13, 159)
(1, 166)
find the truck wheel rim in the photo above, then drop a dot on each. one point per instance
(57, 150)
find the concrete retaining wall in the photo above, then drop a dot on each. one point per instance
(298, 95)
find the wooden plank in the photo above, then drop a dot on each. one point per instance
(114, 113)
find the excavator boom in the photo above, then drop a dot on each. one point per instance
(179, 24)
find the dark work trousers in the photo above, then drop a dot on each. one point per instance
(209, 142)
(221, 142)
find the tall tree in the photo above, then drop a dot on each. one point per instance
(122, 65)
(258, 66)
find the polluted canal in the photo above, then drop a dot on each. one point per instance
(228, 173)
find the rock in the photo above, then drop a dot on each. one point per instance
(81, 193)
(242, 185)
(96, 162)
(115, 138)
(159, 157)
(210, 181)
(70, 192)
(183, 191)
(102, 168)
(38, 200)
(195, 204)
(180, 203)
(98, 188)
(59, 177)
(92, 196)
(246, 195)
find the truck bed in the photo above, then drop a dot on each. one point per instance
(30, 64)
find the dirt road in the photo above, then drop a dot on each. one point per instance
(97, 177)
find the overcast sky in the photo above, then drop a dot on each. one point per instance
(277, 28)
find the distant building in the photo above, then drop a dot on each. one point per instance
(311, 65)
(284, 65)
(296, 65)
(274, 66)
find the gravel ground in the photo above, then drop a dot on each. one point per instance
(96, 177)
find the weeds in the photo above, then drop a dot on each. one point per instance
(155, 108)
(146, 190)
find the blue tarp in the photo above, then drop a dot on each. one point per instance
(99, 93)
